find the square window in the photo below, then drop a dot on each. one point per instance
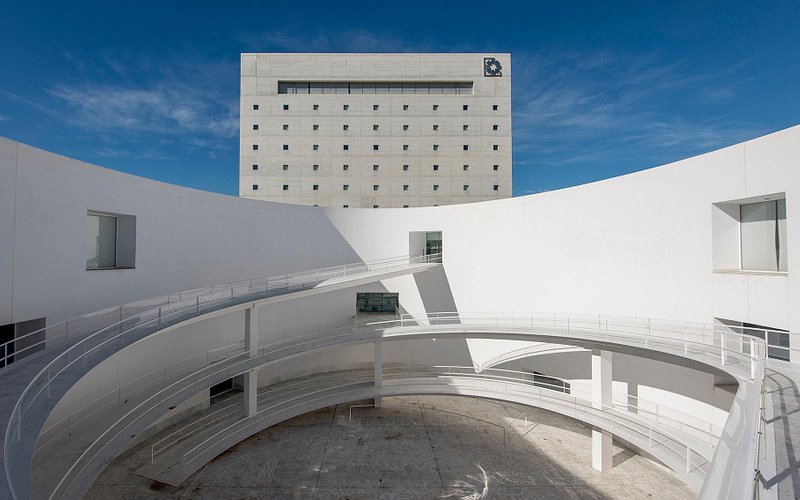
(374, 127)
(316, 107)
(405, 107)
(345, 187)
(286, 107)
(346, 147)
(374, 107)
(436, 167)
(405, 187)
(285, 187)
(466, 168)
(255, 187)
(435, 107)
(286, 147)
(315, 187)
(255, 126)
(316, 147)
(405, 127)
(465, 127)
(315, 127)
(255, 147)
(494, 107)
(345, 167)
(345, 127)
(255, 107)
(466, 147)
(255, 167)
(374, 187)
(375, 167)
(495, 147)
(375, 147)
(405, 168)
(466, 107)
(436, 127)
(285, 126)
(495, 167)
(466, 187)
(315, 167)
(286, 167)
(405, 147)
(436, 147)
(495, 127)
(345, 107)
(496, 187)
(435, 187)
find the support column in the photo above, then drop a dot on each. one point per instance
(378, 362)
(251, 345)
(602, 452)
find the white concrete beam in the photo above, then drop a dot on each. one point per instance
(602, 451)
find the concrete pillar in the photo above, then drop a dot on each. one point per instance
(602, 452)
(251, 393)
(251, 345)
(378, 362)
(251, 329)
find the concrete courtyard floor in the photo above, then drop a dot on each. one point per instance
(414, 447)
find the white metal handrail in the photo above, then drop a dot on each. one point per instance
(735, 359)
(696, 460)
(55, 334)
(151, 320)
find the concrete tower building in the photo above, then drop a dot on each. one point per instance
(375, 130)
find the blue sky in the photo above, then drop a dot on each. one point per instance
(600, 88)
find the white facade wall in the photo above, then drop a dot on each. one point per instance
(638, 245)
(295, 128)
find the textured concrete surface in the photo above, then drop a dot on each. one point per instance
(415, 447)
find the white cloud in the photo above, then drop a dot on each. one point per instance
(602, 107)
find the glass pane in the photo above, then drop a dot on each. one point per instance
(759, 251)
(101, 241)
(433, 243)
(783, 264)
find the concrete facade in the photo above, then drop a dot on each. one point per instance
(419, 129)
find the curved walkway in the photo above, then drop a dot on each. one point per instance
(413, 447)
(34, 384)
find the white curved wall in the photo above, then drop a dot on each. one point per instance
(637, 245)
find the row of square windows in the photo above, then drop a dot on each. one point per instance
(376, 167)
(377, 147)
(376, 187)
(376, 107)
(345, 127)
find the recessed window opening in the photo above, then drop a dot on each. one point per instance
(110, 241)
(763, 236)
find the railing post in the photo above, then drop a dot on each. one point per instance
(198, 304)
(685, 342)
(722, 348)
(159, 316)
(752, 359)
(688, 460)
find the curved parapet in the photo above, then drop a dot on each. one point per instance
(646, 339)
(40, 380)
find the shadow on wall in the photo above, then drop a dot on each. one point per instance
(434, 291)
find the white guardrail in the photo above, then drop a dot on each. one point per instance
(746, 360)
(103, 332)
